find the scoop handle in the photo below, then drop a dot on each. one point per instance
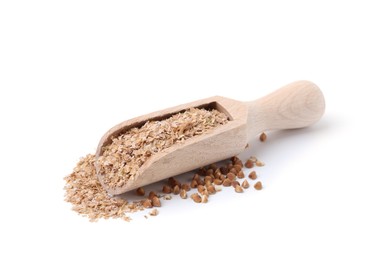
(299, 104)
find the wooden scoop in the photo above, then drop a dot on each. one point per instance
(296, 105)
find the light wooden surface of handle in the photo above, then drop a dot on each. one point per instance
(296, 105)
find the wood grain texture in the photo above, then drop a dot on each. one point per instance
(296, 105)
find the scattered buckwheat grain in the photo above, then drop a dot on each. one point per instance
(249, 164)
(227, 183)
(211, 189)
(166, 189)
(201, 188)
(258, 185)
(205, 198)
(156, 202)
(235, 183)
(196, 198)
(186, 187)
(263, 137)
(152, 194)
(217, 182)
(245, 184)
(231, 176)
(252, 175)
(140, 191)
(194, 184)
(240, 175)
(238, 189)
(147, 203)
(176, 189)
(183, 194)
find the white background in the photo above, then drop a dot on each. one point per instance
(70, 70)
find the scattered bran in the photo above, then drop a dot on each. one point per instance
(86, 194)
(128, 152)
